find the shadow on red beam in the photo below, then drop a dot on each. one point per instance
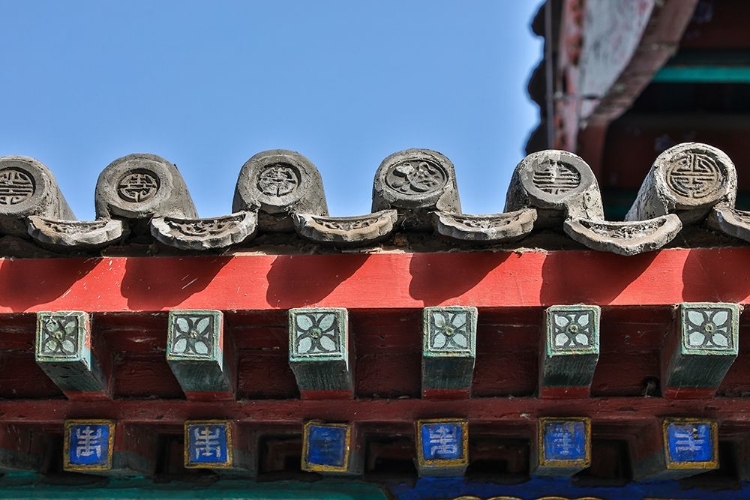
(388, 280)
(521, 411)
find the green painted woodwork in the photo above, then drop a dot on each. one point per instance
(703, 74)
(329, 489)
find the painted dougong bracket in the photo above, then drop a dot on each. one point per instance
(319, 353)
(570, 351)
(64, 351)
(448, 351)
(201, 358)
(700, 349)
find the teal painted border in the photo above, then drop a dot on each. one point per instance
(703, 74)
(332, 489)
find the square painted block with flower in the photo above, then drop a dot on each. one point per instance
(701, 349)
(319, 350)
(448, 350)
(196, 353)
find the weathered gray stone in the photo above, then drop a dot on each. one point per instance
(205, 234)
(558, 184)
(140, 186)
(346, 231)
(495, 228)
(279, 183)
(416, 182)
(730, 221)
(624, 238)
(68, 234)
(688, 180)
(28, 188)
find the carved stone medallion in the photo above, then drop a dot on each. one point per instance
(695, 175)
(555, 177)
(16, 186)
(278, 179)
(137, 186)
(416, 178)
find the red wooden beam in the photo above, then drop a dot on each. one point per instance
(374, 281)
(508, 411)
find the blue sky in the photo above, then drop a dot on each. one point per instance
(207, 84)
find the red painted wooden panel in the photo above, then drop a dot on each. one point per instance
(628, 411)
(484, 279)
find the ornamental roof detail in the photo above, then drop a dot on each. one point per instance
(279, 197)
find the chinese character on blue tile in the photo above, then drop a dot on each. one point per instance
(326, 445)
(88, 444)
(690, 442)
(564, 440)
(207, 444)
(442, 441)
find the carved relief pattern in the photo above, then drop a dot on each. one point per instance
(416, 177)
(59, 336)
(555, 177)
(316, 333)
(485, 222)
(16, 186)
(572, 329)
(708, 328)
(138, 186)
(74, 227)
(449, 330)
(193, 335)
(348, 225)
(204, 227)
(624, 231)
(278, 180)
(694, 175)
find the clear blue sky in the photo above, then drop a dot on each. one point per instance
(207, 84)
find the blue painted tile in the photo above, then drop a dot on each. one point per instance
(564, 440)
(208, 444)
(326, 445)
(442, 441)
(690, 442)
(88, 445)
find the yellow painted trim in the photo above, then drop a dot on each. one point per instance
(230, 448)
(707, 465)
(443, 463)
(66, 445)
(307, 466)
(586, 462)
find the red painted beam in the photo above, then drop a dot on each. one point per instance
(376, 281)
(508, 411)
